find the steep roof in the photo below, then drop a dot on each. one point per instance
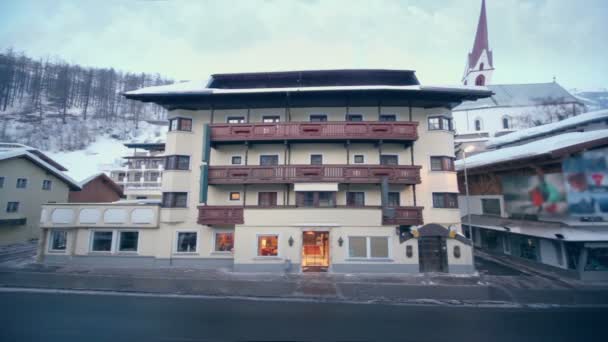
(11, 146)
(24, 153)
(521, 95)
(481, 39)
(106, 179)
(538, 131)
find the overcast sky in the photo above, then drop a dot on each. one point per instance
(532, 40)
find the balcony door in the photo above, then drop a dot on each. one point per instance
(315, 251)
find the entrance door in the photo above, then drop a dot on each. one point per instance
(315, 251)
(432, 254)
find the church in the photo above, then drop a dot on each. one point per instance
(513, 106)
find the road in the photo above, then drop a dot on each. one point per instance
(107, 317)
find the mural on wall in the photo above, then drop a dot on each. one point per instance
(587, 183)
(541, 194)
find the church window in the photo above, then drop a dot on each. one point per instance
(480, 80)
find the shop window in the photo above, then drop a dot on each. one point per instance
(235, 196)
(267, 199)
(269, 160)
(236, 160)
(128, 241)
(394, 199)
(224, 242)
(354, 117)
(369, 247)
(268, 245)
(445, 200)
(316, 159)
(389, 159)
(318, 118)
(186, 242)
(175, 200)
(490, 206)
(102, 241)
(180, 124)
(359, 159)
(59, 240)
(355, 199)
(177, 163)
(388, 117)
(442, 164)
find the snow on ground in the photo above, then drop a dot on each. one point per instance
(105, 150)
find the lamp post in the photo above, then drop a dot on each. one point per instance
(466, 150)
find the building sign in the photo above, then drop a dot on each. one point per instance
(542, 195)
(587, 183)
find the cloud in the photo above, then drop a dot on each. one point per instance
(532, 40)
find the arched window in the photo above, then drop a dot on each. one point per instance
(481, 66)
(506, 122)
(478, 124)
(480, 80)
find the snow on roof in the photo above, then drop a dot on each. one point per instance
(200, 88)
(548, 230)
(532, 132)
(17, 153)
(532, 149)
(520, 95)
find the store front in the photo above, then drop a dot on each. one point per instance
(315, 251)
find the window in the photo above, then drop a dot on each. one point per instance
(359, 159)
(175, 199)
(271, 118)
(46, 184)
(354, 117)
(235, 119)
(102, 241)
(445, 200)
(490, 206)
(12, 207)
(128, 241)
(269, 160)
(505, 122)
(235, 196)
(59, 240)
(394, 200)
(236, 160)
(315, 199)
(437, 123)
(141, 197)
(180, 124)
(21, 183)
(177, 163)
(457, 252)
(318, 118)
(308, 199)
(481, 66)
(389, 159)
(442, 164)
(224, 242)
(326, 199)
(355, 199)
(370, 247)
(268, 245)
(267, 199)
(477, 124)
(388, 117)
(1, 182)
(480, 80)
(186, 242)
(316, 159)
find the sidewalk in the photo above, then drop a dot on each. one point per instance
(360, 288)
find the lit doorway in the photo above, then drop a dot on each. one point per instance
(315, 251)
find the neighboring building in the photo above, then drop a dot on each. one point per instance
(542, 196)
(98, 188)
(28, 179)
(594, 99)
(512, 106)
(140, 176)
(335, 170)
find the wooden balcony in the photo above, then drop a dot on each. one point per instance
(285, 174)
(211, 214)
(315, 131)
(407, 216)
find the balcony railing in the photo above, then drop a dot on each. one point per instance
(407, 216)
(219, 215)
(397, 174)
(368, 130)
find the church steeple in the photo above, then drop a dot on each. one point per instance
(480, 63)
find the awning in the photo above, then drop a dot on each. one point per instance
(315, 187)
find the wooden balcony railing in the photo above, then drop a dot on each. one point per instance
(407, 216)
(368, 174)
(211, 214)
(366, 130)
(217, 215)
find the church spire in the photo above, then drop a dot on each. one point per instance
(480, 63)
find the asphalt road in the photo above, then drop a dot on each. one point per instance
(82, 317)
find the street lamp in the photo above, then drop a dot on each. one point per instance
(466, 150)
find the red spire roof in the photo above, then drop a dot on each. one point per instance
(481, 39)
